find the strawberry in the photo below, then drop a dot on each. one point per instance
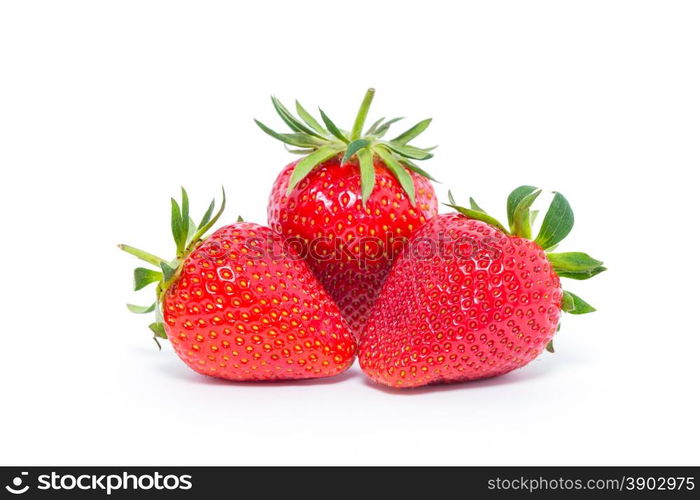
(468, 299)
(350, 202)
(241, 305)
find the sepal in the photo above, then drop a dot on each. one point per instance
(306, 164)
(557, 222)
(522, 217)
(309, 119)
(399, 172)
(294, 139)
(514, 199)
(411, 152)
(333, 128)
(291, 120)
(575, 265)
(573, 304)
(141, 309)
(158, 332)
(168, 271)
(144, 277)
(478, 215)
(582, 276)
(367, 173)
(384, 127)
(412, 132)
(353, 148)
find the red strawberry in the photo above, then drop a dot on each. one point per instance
(468, 299)
(239, 305)
(351, 201)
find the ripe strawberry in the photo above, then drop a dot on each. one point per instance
(239, 305)
(468, 299)
(351, 202)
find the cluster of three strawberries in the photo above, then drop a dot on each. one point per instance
(356, 259)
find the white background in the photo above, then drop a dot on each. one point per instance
(106, 108)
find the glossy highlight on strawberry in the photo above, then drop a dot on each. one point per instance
(351, 201)
(468, 299)
(242, 305)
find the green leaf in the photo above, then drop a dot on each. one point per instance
(307, 164)
(178, 229)
(533, 216)
(332, 127)
(399, 172)
(573, 261)
(185, 217)
(513, 199)
(409, 151)
(573, 304)
(204, 228)
(207, 215)
(415, 168)
(521, 215)
(302, 152)
(141, 254)
(451, 199)
(144, 277)
(292, 121)
(550, 346)
(168, 271)
(557, 222)
(159, 314)
(141, 309)
(295, 139)
(367, 173)
(309, 119)
(384, 128)
(474, 206)
(240, 219)
(158, 332)
(412, 132)
(191, 228)
(477, 215)
(581, 275)
(374, 126)
(567, 302)
(353, 148)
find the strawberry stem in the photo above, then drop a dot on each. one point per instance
(362, 115)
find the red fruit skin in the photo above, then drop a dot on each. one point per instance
(242, 309)
(349, 246)
(484, 304)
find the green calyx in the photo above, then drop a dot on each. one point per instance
(556, 225)
(318, 143)
(188, 235)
